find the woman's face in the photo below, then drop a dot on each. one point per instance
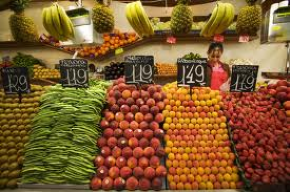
(215, 55)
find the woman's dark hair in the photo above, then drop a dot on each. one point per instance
(214, 45)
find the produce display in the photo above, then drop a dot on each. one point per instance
(114, 71)
(112, 41)
(23, 28)
(166, 69)
(131, 149)
(191, 56)
(23, 60)
(57, 23)
(221, 18)
(249, 18)
(181, 18)
(138, 19)
(15, 123)
(40, 72)
(197, 141)
(103, 18)
(260, 124)
(62, 142)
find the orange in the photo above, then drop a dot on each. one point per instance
(180, 186)
(222, 170)
(198, 178)
(195, 115)
(200, 170)
(183, 178)
(172, 126)
(225, 185)
(170, 178)
(176, 178)
(168, 163)
(209, 185)
(227, 177)
(204, 178)
(214, 170)
(212, 178)
(175, 163)
(186, 170)
(187, 186)
(229, 169)
(178, 126)
(219, 177)
(182, 163)
(189, 164)
(180, 150)
(165, 126)
(179, 171)
(194, 186)
(223, 163)
(233, 185)
(208, 163)
(169, 144)
(185, 156)
(178, 156)
(235, 177)
(190, 178)
(202, 186)
(207, 170)
(225, 156)
(167, 149)
(193, 171)
(235, 169)
(171, 156)
(196, 103)
(176, 143)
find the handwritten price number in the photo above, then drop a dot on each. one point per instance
(17, 84)
(141, 73)
(244, 82)
(195, 75)
(76, 77)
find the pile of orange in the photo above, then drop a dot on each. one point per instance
(112, 41)
(197, 142)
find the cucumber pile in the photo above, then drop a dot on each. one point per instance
(62, 143)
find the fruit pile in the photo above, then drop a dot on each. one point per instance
(166, 69)
(221, 18)
(40, 72)
(15, 123)
(261, 132)
(112, 41)
(62, 143)
(197, 141)
(114, 71)
(131, 148)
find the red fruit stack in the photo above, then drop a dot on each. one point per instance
(131, 143)
(261, 132)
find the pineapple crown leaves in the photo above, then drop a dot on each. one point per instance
(19, 5)
(183, 2)
(251, 2)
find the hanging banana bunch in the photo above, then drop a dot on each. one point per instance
(138, 19)
(57, 23)
(221, 18)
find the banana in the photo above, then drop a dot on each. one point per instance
(204, 31)
(49, 23)
(56, 19)
(136, 20)
(66, 23)
(143, 18)
(219, 17)
(227, 19)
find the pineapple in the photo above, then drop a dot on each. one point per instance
(181, 18)
(103, 18)
(23, 28)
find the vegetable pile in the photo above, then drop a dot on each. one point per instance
(62, 142)
(261, 132)
(15, 125)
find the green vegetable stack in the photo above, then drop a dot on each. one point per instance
(62, 144)
(22, 60)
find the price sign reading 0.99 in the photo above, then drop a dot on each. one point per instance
(15, 80)
(244, 78)
(139, 69)
(74, 73)
(192, 72)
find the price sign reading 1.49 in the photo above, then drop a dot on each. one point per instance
(244, 78)
(15, 80)
(192, 72)
(74, 73)
(139, 69)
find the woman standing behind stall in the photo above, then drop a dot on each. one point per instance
(218, 72)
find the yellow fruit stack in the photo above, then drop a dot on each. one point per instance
(40, 72)
(197, 142)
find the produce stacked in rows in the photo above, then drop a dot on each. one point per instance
(249, 19)
(191, 56)
(166, 69)
(131, 143)
(261, 132)
(57, 23)
(23, 60)
(221, 18)
(111, 42)
(181, 18)
(22, 27)
(103, 18)
(197, 141)
(15, 123)
(62, 143)
(114, 71)
(138, 19)
(40, 72)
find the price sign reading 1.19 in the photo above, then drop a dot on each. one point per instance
(244, 78)
(74, 73)
(139, 69)
(15, 80)
(192, 72)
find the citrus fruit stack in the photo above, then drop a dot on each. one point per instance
(197, 142)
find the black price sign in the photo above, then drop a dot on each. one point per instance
(15, 80)
(74, 73)
(139, 69)
(192, 72)
(244, 78)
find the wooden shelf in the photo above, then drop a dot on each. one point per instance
(170, 3)
(275, 75)
(159, 37)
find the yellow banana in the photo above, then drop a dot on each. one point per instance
(204, 31)
(136, 21)
(219, 17)
(49, 23)
(66, 23)
(143, 18)
(56, 19)
(227, 19)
